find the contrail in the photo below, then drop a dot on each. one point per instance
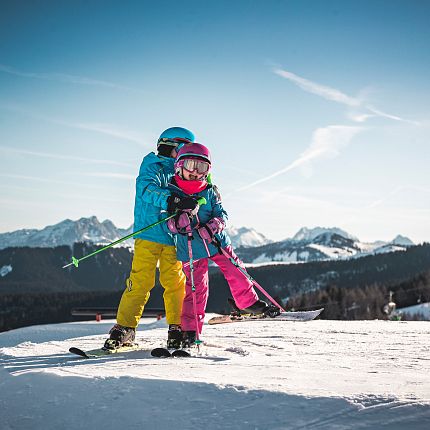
(338, 96)
(326, 142)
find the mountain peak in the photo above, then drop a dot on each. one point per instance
(402, 240)
(88, 220)
(246, 237)
(309, 234)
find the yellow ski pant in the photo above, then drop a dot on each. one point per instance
(142, 280)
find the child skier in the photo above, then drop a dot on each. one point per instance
(155, 245)
(192, 167)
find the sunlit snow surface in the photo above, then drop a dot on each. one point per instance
(253, 375)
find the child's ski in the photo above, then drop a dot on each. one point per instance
(283, 316)
(100, 352)
(165, 353)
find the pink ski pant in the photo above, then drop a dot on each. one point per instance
(241, 288)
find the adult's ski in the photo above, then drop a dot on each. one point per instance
(283, 316)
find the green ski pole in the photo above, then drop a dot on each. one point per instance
(76, 261)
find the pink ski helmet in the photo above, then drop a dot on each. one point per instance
(196, 152)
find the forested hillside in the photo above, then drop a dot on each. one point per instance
(35, 289)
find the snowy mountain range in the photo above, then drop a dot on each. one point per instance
(66, 232)
(91, 230)
(319, 244)
(253, 247)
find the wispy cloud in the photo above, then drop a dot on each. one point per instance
(62, 157)
(111, 175)
(396, 191)
(75, 184)
(64, 77)
(111, 130)
(338, 96)
(326, 143)
(33, 178)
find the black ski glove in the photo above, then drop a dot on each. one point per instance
(177, 203)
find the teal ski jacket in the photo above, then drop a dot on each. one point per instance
(151, 197)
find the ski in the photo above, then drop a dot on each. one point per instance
(165, 353)
(101, 352)
(181, 353)
(283, 316)
(161, 353)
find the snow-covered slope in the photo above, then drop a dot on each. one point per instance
(259, 375)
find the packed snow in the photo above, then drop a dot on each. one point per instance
(250, 375)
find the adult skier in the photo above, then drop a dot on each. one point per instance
(155, 246)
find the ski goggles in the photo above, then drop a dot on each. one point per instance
(193, 164)
(177, 142)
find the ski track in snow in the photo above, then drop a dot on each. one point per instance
(264, 375)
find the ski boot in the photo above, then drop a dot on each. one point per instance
(188, 339)
(235, 310)
(261, 308)
(174, 336)
(120, 336)
(255, 309)
(272, 311)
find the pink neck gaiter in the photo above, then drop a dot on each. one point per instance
(190, 187)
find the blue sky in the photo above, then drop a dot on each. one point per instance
(316, 113)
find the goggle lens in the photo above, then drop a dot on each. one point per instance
(192, 164)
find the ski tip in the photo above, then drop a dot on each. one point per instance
(160, 353)
(78, 351)
(180, 353)
(165, 353)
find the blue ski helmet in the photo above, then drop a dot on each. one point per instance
(173, 138)
(176, 133)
